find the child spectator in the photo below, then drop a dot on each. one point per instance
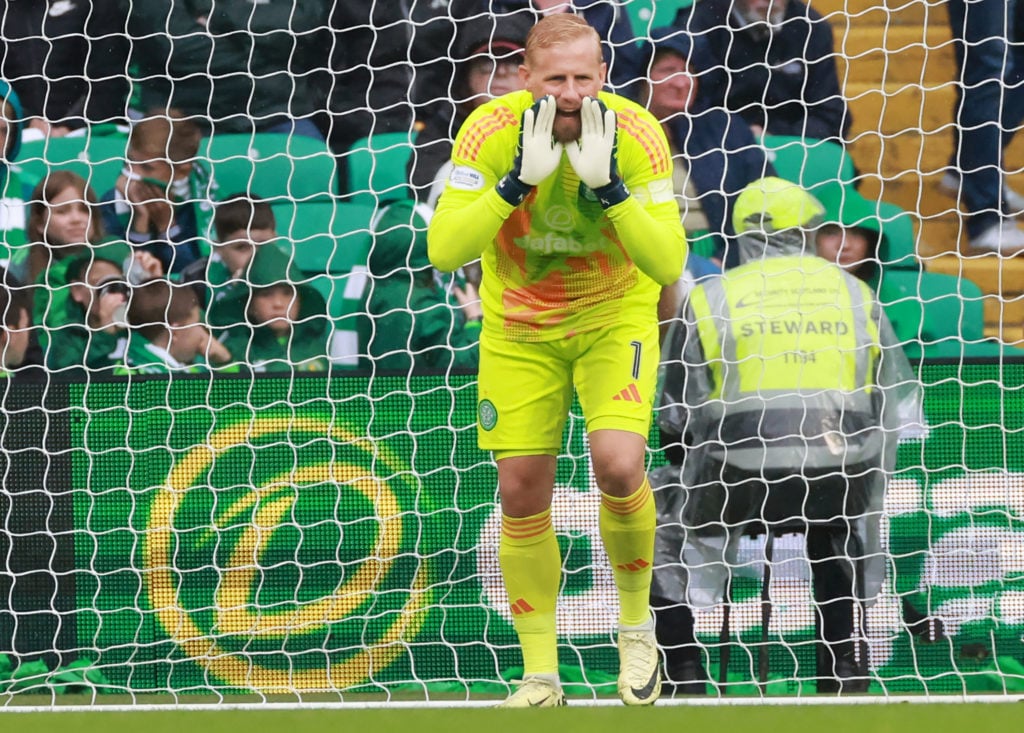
(166, 332)
(854, 248)
(931, 313)
(411, 326)
(272, 321)
(162, 200)
(242, 223)
(852, 236)
(12, 204)
(66, 245)
(82, 320)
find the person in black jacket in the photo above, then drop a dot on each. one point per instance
(233, 65)
(67, 61)
(370, 73)
(714, 153)
(489, 51)
(780, 62)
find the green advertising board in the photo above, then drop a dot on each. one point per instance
(328, 533)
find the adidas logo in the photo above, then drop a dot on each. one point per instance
(520, 606)
(635, 566)
(629, 394)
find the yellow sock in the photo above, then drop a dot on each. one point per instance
(532, 568)
(627, 528)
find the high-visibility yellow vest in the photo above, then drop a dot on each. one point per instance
(791, 346)
(786, 324)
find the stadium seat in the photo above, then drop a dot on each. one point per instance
(330, 242)
(647, 14)
(273, 165)
(937, 315)
(814, 164)
(377, 168)
(326, 236)
(97, 158)
(898, 249)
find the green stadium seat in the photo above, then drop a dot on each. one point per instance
(97, 158)
(330, 243)
(898, 249)
(647, 14)
(937, 315)
(327, 237)
(377, 168)
(274, 165)
(814, 164)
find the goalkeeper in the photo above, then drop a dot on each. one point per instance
(566, 192)
(784, 385)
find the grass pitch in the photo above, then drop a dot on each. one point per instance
(880, 718)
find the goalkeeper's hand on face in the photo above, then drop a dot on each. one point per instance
(537, 155)
(594, 155)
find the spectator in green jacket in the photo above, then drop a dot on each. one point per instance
(166, 332)
(163, 200)
(12, 204)
(411, 324)
(852, 246)
(932, 314)
(81, 322)
(273, 321)
(243, 222)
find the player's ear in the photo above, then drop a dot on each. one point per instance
(524, 75)
(604, 72)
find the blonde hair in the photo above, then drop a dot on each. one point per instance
(557, 30)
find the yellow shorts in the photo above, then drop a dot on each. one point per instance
(526, 389)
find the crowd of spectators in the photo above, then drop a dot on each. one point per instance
(170, 72)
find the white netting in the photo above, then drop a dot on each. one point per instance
(261, 473)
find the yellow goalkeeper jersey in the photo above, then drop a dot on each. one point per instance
(559, 264)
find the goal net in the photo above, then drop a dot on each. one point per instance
(309, 516)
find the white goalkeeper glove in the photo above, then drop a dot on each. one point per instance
(594, 155)
(537, 155)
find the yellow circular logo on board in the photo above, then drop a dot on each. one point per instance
(280, 556)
